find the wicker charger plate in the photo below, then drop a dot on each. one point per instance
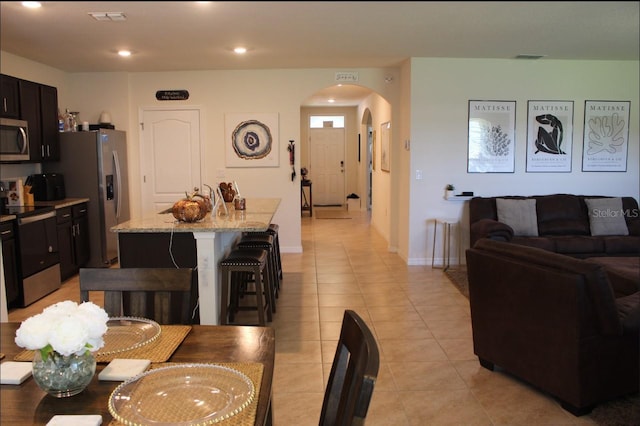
(160, 350)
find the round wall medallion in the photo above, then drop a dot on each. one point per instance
(252, 140)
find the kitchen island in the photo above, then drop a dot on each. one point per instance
(214, 236)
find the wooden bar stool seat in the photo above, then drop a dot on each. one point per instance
(238, 268)
(266, 242)
(273, 230)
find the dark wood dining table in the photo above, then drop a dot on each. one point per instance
(28, 404)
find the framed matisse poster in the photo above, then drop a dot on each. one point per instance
(491, 144)
(606, 136)
(549, 136)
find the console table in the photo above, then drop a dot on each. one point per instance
(307, 205)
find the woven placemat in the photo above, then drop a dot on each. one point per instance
(246, 417)
(160, 350)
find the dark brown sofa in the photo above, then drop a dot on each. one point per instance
(554, 322)
(563, 226)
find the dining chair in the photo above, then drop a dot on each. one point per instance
(164, 295)
(353, 374)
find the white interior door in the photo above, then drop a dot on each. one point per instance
(327, 165)
(170, 157)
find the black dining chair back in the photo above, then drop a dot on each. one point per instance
(164, 295)
(353, 374)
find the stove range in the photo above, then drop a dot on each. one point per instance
(25, 211)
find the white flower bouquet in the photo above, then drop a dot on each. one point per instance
(65, 328)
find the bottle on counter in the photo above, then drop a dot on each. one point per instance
(60, 121)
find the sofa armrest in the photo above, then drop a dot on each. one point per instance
(492, 229)
(542, 275)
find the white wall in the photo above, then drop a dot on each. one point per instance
(382, 194)
(426, 102)
(217, 93)
(440, 91)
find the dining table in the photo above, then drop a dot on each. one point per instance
(204, 344)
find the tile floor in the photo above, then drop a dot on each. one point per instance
(428, 373)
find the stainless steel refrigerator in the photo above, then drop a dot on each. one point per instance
(94, 166)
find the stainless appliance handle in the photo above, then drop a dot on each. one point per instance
(25, 144)
(116, 163)
(36, 217)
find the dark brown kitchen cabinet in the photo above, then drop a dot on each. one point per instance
(10, 262)
(50, 143)
(37, 104)
(39, 107)
(73, 239)
(30, 112)
(10, 107)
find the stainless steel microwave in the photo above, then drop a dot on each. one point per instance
(14, 140)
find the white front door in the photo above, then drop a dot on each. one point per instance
(327, 166)
(170, 157)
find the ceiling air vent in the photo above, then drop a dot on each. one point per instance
(527, 56)
(108, 16)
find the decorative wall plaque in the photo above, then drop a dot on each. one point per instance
(172, 95)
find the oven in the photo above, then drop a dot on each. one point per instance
(38, 253)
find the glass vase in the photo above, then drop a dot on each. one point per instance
(62, 375)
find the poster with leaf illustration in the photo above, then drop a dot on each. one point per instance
(606, 136)
(492, 128)
(549, 136)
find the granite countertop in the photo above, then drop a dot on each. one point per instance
(65, 202)
(57, 204)
(7, 218)
(256, 217)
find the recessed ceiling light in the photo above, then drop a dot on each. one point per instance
(240, 50)
(124, 53)
(32, 4)
(331, 100)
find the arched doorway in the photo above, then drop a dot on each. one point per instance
(367, 131)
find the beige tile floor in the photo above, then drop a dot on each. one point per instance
(428, 373)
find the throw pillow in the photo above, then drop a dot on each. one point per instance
(520, 215)
(606, 216)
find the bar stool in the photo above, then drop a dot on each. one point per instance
(266, 242)
(273, 230)
(240, 265)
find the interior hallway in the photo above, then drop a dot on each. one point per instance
(428, 374)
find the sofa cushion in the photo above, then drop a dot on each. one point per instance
(561, 214)
(623, 273)
(578, 244)
(606, 216)
(629, 312)
(520, 215)
(617, 245)
(543, 243)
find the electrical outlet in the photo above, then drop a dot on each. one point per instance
(418, 174)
